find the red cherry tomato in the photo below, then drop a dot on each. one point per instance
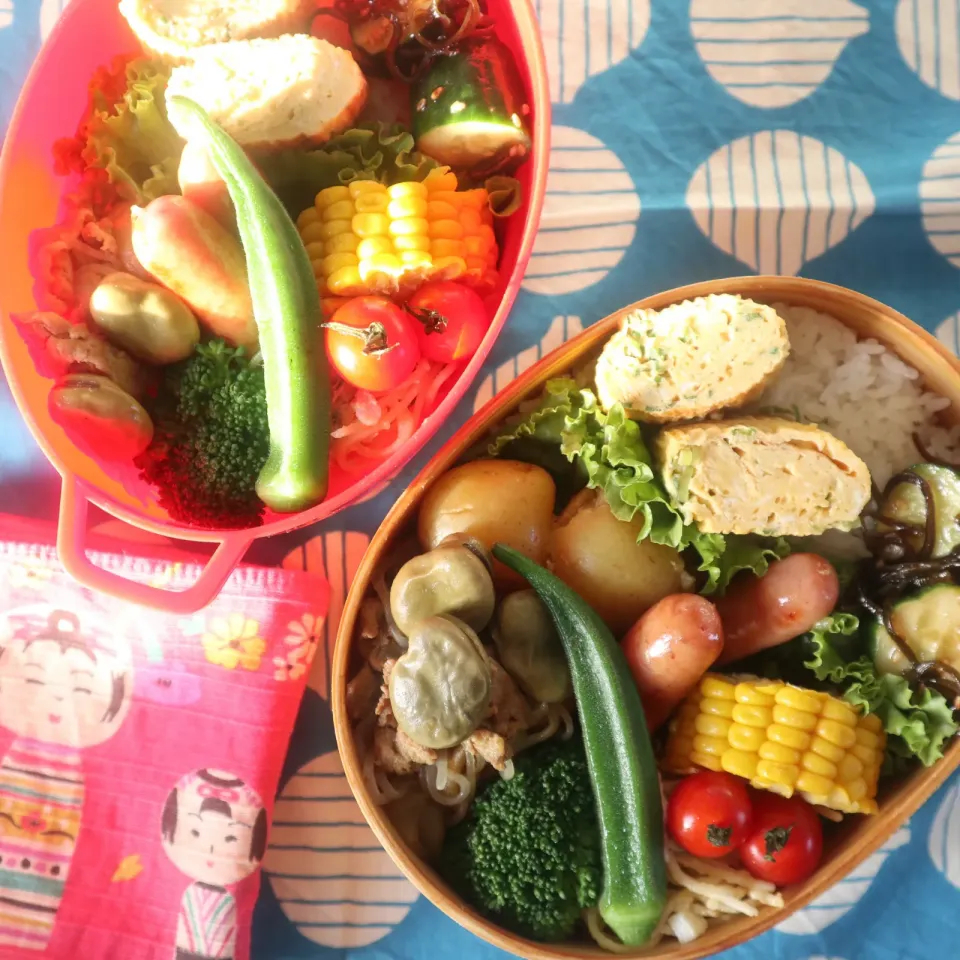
(785, 841)
(372, 343)
(709, 814)
(452, 319)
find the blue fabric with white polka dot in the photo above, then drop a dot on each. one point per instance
(692, 139)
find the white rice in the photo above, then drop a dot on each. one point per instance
(858, 390)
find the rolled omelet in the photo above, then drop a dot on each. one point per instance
(691, 358)
(271, 94)
(762, 475)
(173, 29)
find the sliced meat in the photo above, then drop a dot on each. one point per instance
(490, 746)
(396, 753)
(60, 347)
(363, 692)
(509, 713)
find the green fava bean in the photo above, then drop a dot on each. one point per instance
(530, 649)
(440, 686)
(93, 409)
(145, 319)
(451, 579)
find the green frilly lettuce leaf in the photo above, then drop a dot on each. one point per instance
(918, 722)
(371, 151)
(610, 454)
(127, 132)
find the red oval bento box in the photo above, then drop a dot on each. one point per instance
(90, 34)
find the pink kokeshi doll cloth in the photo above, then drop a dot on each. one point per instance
(139, 757)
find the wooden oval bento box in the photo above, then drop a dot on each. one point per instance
(849, 843)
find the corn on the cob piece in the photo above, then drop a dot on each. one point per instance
(369, 238)
(781, 738)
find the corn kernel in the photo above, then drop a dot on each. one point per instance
(838, 733)
(798, 699)
(824, 748)
(449, 268)
(381, 263)
(414, 226)
(440, 180)
(318, 269)
(712, 726)
(867, 738)
(343, 243)
(416, 258)
(863, 753)
(454, 248)
(398, 191)
(762, 695)
(470, 220)
(445, 230)
(752, 715)
(791, 717)
(814, 784)
(781, 773)
(331, 195)
(414, 242)
(374, 246)
(334, 228)
(817, 764)
(408, 207)
(342, 210)
(358, 188)
(310, 215)
(442, 210)
(474, 198)
(849, 768)
(789, 737)
(476, 264)
(316, 250)
(742, 737)
(706, 760)
(486, 233)
(372, 203)
(840, 711)
(334, 261)
(313, 232)
(715, 746)
(717, 707)
(856, 789)
(371, 224)
(739, 763)
(871, 722)
(714, 686)
(779, 753)
(771, 786)
(475, 247)
(344, 281)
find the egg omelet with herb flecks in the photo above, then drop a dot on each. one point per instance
(691, 358)
(762, 475)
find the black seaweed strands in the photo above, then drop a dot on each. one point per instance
(404, 35)
(899, 567)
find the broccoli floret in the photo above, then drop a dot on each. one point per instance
(528, 853)
(211, 438)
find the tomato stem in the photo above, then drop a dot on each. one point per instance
(775, 840)
(719, 836)
(433, 320)
(374, 336)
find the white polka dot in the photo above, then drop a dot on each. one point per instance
(589, 216)
(561, 330)
(334, 881)
(50, 11)
(776, 53)
(940, 199)
(928, 35)
(334, 556)
(582, 38)
(841, 898)
(776, 200)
